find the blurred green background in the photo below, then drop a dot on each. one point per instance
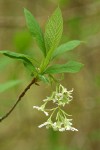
(81, 21)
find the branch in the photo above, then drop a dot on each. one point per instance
(34, 81)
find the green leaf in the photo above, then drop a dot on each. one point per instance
(53, 30)
(8, 85)
(35, 30)
(66, 47)
(53, 33)
(26, 59)
(71, 67)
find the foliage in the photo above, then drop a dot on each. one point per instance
(48, 44)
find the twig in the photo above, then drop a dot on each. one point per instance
(34, 81)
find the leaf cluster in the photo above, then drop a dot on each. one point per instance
(48, 43)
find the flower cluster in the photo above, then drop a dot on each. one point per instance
(60, 97)
(59, 126)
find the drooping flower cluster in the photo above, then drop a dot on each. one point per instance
(60, 97)
(59, 126)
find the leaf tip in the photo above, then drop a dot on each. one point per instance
(25, 9)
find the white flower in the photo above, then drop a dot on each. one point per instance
(68, 125)
(54, 126)
(58, 126)
(69, 93)
(48, 124)
(37, 107)
(71, 128)
(44, 124)
(47, 99)
(41, 109)
(62, 89)
(62, 129)
(61, 96)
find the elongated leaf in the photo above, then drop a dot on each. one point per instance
(66, 47)
(8, 85)
(53, 30)
(35, 30)
(53, 33)
(26, 59)
(71, 67)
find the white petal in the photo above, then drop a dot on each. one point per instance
(73, 129)
(54, 124)
(46, 113)
(62, 129)
(36, 107)
(71, 90)
(44, 124)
